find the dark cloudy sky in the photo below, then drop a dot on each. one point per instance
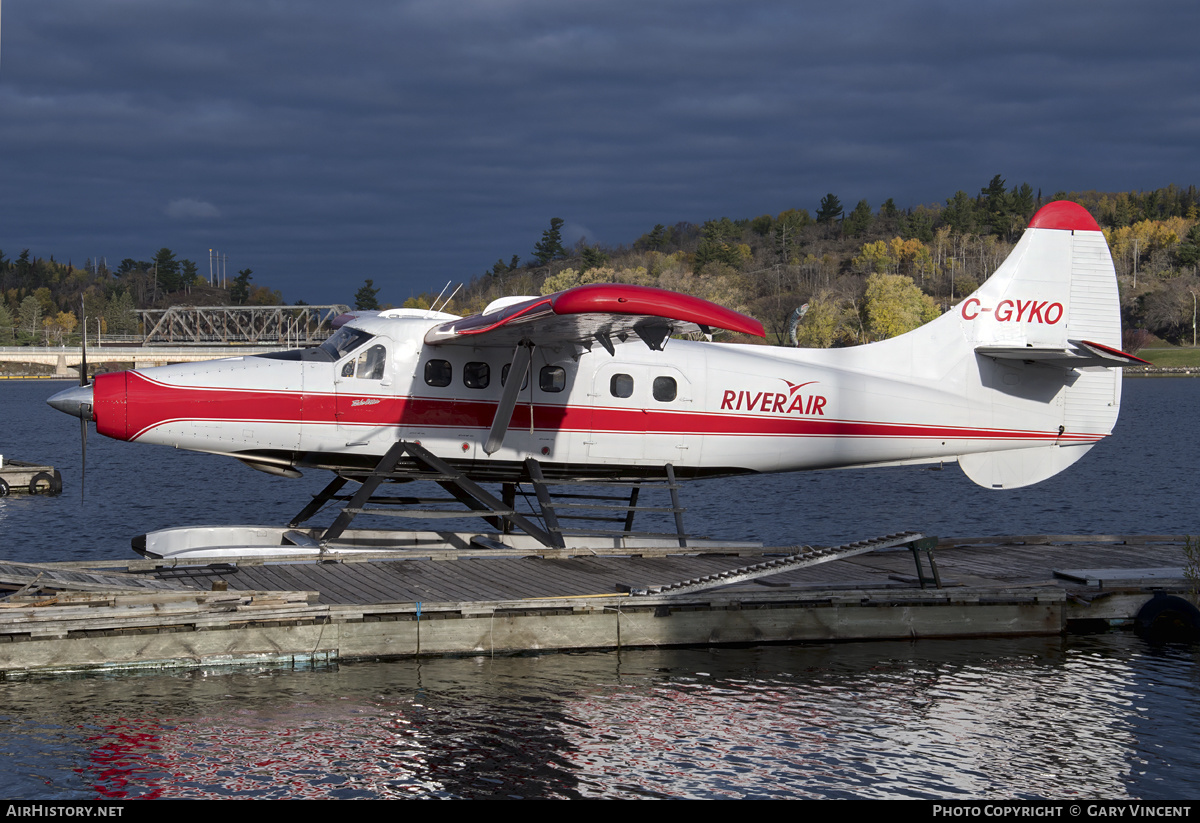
(416, 142)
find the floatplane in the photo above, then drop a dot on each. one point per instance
(593, 385)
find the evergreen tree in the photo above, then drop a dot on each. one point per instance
(6, 326)
(719, 243)
(889, 217)
(120, 314)
(917, 225)
(1022, 203)
(859, 220)
(188, 273)
(652, 240)
(593, 258)
(995, 204)
(1189, 250)
(166, 270)
(959, 213)
(787, 233)
(365, 297)
(830, 210)
(239, 292)
(23, 263)
(550, 247)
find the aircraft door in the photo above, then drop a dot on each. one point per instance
(363, 394)
(639, 414)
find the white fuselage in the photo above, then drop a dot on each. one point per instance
(705, 408)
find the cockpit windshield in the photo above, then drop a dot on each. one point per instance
(344, 341)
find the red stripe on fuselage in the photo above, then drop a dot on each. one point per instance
(129, 404)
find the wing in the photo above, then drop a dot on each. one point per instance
(607, 314)
(603, 313)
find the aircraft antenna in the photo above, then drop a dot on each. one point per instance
(451, 297)
(436, 299)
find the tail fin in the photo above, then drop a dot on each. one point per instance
(1046, 333)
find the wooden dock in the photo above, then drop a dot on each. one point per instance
(152, 614)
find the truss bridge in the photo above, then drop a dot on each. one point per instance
(225, 325)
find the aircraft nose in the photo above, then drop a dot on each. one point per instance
(75, 401)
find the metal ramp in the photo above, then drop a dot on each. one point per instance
(599, 509)
(805, 557)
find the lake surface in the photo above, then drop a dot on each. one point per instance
(1098, 716)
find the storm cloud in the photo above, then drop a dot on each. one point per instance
(417, 142)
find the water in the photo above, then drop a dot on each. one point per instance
(1090, 717)
(1100, 716)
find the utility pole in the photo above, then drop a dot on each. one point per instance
(1193, 319)
(1135, 257)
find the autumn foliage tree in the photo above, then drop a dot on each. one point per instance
(894, 304)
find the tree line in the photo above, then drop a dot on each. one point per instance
(871, 272)
(44, 302)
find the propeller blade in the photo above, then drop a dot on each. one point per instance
(83, 462)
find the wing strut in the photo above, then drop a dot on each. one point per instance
(508, 399)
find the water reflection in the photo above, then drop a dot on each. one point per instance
(1085, 717)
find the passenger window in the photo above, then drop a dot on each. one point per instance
(371, 363)
(621, 385)
(477, 375)
(665, 389)
(504, 376)
(552, 379)
(438, 373)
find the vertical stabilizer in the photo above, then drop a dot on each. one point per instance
(1028, 324)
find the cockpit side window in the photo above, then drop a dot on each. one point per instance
(371, 363)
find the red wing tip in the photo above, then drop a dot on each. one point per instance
(1063, 214)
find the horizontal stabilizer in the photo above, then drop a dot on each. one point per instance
(1076, 354)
